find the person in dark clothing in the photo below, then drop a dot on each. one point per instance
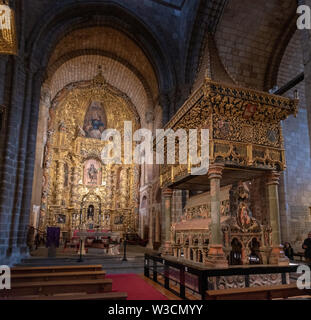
(307, 246)
(288, 250)
(37, 240)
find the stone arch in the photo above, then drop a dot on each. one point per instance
(63, 20)
(278, 53)
(246, 45)
(85, 52)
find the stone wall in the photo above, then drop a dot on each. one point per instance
(295, 188)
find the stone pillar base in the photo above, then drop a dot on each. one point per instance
(265, 253)
(216, 257)
(278, 257)
(166, 249)
(149, 246)
(15, 256)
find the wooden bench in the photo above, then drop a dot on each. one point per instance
(93, 296)
(74, 268)
(57, 276)
(58, 287)
(258, 293)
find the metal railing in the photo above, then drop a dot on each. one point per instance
(185, 279)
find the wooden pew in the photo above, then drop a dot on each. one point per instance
(46, 269)
(58, 287)
(93, 296)
(258, 293)
(57, 276)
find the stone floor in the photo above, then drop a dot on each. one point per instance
(111, 264)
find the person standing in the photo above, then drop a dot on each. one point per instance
(288, 250)
(307, 247)
(37, 240)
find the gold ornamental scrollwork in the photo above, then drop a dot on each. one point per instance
(68, 150)
(245, 127)
(8, 35)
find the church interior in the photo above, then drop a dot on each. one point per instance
(75, 227)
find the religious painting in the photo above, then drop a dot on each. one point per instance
(250, 110)
(92, 173)
(224, 128)
(61, 219)
(95, 121)
(118, 220)
(272, 135)
(244, 218)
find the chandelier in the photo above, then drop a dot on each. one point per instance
(8, 41)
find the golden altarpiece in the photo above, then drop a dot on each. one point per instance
(78, 188)
(245, 146)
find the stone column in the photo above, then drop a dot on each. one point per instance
(166, 245)
(157, 227)
(277, 255)
(150, 240)
(216, 256)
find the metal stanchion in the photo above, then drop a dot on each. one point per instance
(80, 258)
(124, 249)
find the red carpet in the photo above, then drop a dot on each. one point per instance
(135, 286)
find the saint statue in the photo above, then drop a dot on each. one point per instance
(90, 212)
(92, 173)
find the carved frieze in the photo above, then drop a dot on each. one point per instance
(244, 128)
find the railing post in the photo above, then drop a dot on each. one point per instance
(166, 276)
(284, 278)
(146, 266)
(155, 272)
(182, 287)
(203, 284)
(247, 280)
